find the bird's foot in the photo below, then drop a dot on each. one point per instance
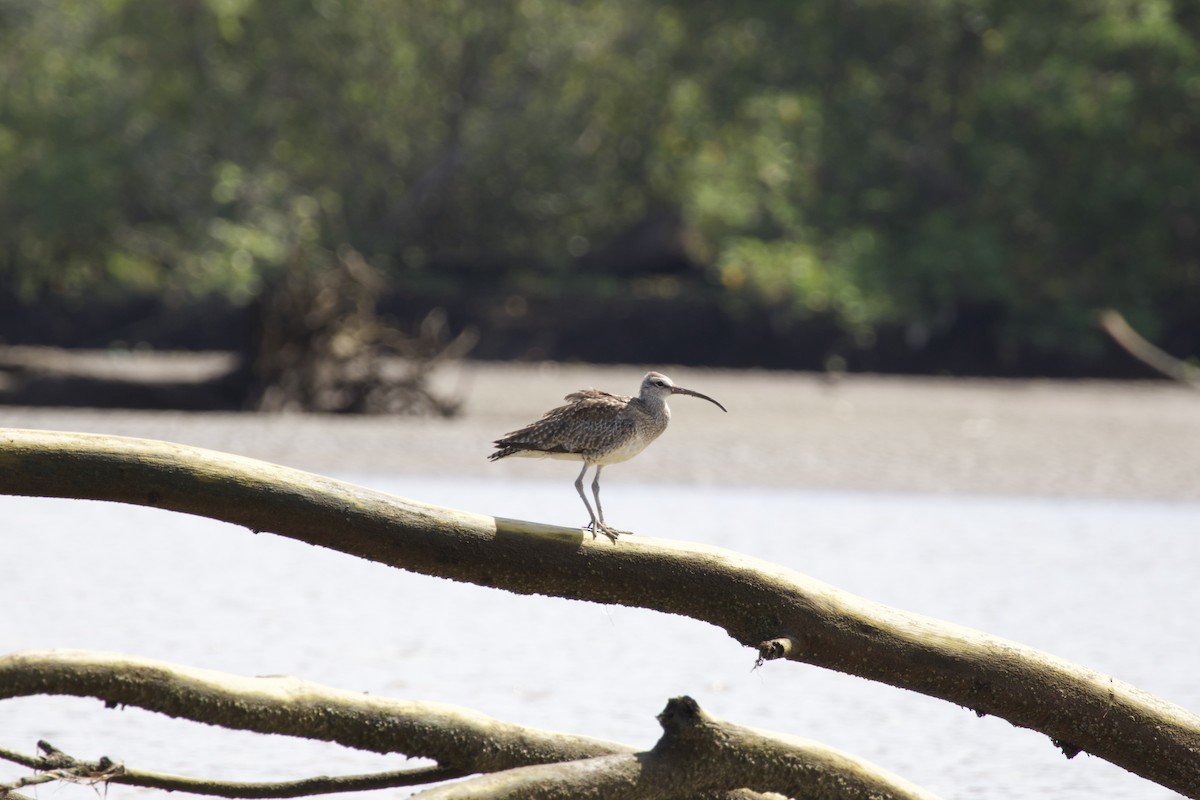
(607, 530)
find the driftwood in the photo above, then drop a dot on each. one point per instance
(318, 346)
(52, 376)
(697, 755)
(782, 613)
(321, 346)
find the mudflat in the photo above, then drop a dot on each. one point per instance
(793, 430)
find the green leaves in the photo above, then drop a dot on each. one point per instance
(885, 163)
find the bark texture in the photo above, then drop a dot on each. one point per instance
(698, 756)
(453, 736)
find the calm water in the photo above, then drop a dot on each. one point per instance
(1110, 585)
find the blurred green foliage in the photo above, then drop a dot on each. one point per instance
(883, 162)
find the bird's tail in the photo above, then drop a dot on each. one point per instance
(502, 451)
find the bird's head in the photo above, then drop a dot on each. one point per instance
(656, 386)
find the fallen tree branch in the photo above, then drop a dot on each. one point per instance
(454, 737)
(58, 766)
(753, 600)
(697, 754)
(734, 757)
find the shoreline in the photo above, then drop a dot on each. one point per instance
(990, 437)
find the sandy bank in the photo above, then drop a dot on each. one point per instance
(1041, 438)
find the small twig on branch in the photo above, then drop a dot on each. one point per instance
(58, 766)
(32, 780)
(773, 649)
(304, 787)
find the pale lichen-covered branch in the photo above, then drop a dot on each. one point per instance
(755, 601)
(452, 736)
(698, 756)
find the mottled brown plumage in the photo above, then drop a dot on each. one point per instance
(598, 428)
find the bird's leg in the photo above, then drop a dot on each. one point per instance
(595, 525)
(608, 530)
(596, 492)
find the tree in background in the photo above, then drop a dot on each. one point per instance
(960, 167)
(927, 162)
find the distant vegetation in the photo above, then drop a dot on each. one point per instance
(915, 171)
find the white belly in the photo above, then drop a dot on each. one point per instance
(622, 452)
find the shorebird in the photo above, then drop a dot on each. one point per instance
(598, 428)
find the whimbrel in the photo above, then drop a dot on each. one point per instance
(598, 428)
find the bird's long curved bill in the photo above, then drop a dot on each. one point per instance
(681, 390)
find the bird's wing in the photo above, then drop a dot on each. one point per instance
(585, 424)
(597, 395)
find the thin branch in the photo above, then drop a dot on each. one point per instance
(753, 600)
(304, 787)
(1115, 325)
(59, 766)
(32, 780)
(56, 765)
